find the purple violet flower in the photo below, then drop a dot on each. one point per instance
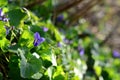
(66, 41)
(37, 39)
(81, 51)
(5, 19)
(45, 29)
(59, 18)
(116, 54)
(1, 12)
(2, 16)
(59, 44)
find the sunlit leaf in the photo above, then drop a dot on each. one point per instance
(4, 43)
(3, 2)
(59, 74)
(26, 39)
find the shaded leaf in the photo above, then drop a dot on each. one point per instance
(15, 16)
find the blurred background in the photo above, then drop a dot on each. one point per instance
(102, 16)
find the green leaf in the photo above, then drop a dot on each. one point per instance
(15, 16)
(26, 39)
(98, 70)
(75, 78)
(2, 30)
(4, 43)
(57, 35)
(59, 74)
(14, 68)
(45, 54)
(37, 75)
(49, 72)
(3, 2)
(30, 66)
(54, 62)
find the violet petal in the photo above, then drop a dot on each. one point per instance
(37, 39)
(1, 12)
(60, 18)
(116, 54)
(45, 29)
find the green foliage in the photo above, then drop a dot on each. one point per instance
(3, 3)
(26, 41)
(29, 65)
(21, 60)
(15, 15)
(14, 68)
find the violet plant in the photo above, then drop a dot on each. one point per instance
(38, 39)
(33, 53)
